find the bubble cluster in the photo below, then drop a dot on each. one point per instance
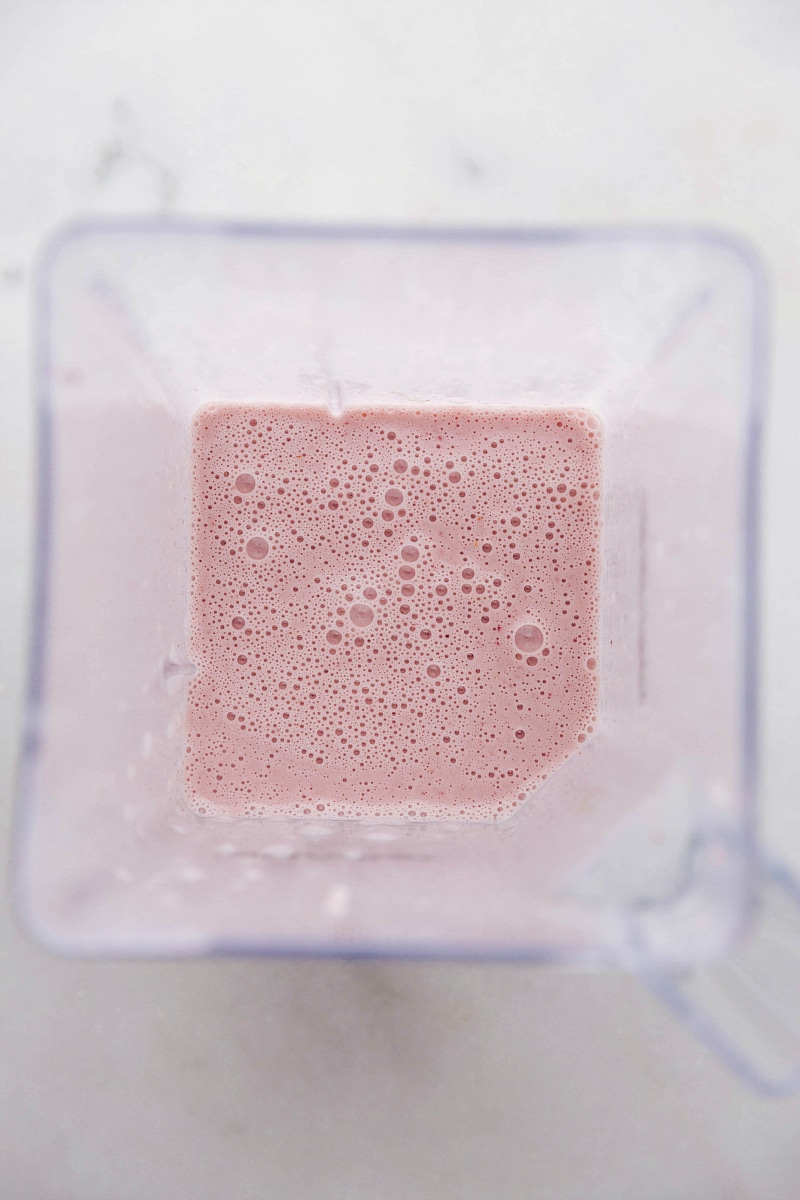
(393, 612)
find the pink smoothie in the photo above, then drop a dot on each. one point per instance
(394, 613)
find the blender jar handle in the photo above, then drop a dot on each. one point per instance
(746, 1007)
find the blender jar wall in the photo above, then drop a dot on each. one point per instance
(140, 325)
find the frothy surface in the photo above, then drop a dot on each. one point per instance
(393, 612)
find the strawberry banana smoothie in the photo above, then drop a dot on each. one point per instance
(394, 613)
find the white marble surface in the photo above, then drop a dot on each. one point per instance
(302, 1080)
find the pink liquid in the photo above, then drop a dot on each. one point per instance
(394, 613)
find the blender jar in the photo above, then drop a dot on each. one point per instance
(639, 850)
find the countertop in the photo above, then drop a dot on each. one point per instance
(301, 1080)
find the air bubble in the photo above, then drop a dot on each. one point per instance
(409, 554)
(406, 572)
(333, 636)
(361, 615)
(434, 671)
(528, 638)
(394, 497)
(238, 622)
(257, 548)
(245, 483)
(400, 465)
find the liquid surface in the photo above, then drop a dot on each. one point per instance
(393, 613)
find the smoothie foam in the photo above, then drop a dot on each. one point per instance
(394, 612)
